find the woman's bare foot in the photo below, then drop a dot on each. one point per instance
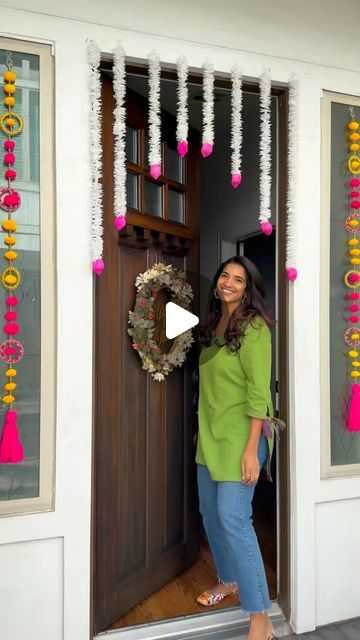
(260, 627)
(216, 594)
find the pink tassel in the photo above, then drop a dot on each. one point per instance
(353, 423)
(11, 449)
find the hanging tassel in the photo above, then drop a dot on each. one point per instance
(353, 423)
(11, 449)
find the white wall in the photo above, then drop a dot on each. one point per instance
(260, 29)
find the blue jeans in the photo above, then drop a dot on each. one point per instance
(226, 509)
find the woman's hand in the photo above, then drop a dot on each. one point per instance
(250, 466)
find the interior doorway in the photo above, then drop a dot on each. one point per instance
(151, 557)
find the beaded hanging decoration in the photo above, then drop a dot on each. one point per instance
(352, 275)
(11, 350)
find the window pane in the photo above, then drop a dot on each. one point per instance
(176, 206)
(175, 166)
(153, 199)
(345, 449)
(132, 145)
(132, 191)
(22, 480)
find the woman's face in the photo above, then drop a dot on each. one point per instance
(231, 285)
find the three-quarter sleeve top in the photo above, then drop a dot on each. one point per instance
(234, 387)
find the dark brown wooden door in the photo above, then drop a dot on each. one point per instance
(145, 509)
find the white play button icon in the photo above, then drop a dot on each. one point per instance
(178, 320)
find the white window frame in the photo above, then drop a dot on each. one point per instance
(328, 470)
(45, 500)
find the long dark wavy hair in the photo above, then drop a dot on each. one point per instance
(252, 307)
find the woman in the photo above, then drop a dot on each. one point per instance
(234, 400)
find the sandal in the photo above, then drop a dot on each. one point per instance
(211, 599)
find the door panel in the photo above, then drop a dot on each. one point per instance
(145, 515)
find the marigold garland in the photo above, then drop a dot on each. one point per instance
(142, 319)
(11, 350)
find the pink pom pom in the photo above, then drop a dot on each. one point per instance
(9, 351)
(354, 307)
(11, 415)
(10, 174)
(11, 328)
(9, 145)
(266, 227)
(355, 182)
(11, 301)
(120, 222)
(291, 273)
(9, 158)
(11, 449)
(354, 194)
(236, 179)
(354, 278)
(354, 319)
(155, 171)
(354, 296)
(182, 148)
(12, 199)
(10, 315)
(355, 204)
(98, 267)
(206, 149)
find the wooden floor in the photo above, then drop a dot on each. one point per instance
(178, 598)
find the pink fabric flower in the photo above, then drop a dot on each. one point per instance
(142, 303)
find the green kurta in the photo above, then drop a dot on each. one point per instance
(233, 388)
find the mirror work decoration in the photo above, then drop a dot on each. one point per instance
(352, 275)
(155, 288)
(11, 350)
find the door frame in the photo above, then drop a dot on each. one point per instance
(233, 618)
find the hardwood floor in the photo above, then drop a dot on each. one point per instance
(178, 597)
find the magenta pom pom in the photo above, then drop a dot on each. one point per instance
(354, 194)
(354, 319)
(266, 227)
(98, 267)
(10, 315)
(11, 328)
(12, 199)
(182, 148)
(9, 145)
(355, 182)
(11, 449)
(354, 278)
(291, 273)
(120, 222)
(9, 351)
(354, 296)
(236, 179)
(155, 171)
(9, 158)
(355, 204)
(206, 149)
(10, 174)
(354, 307)
(11, 301)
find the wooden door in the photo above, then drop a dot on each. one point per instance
(145, 510)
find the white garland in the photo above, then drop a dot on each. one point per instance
(93, 54)
(119, 129)
(265, 147)
(236, 121)
(154, 110)
(182, 125)
(290, 262)
(208, 104)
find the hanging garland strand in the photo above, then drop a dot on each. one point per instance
(265, 153)
(182, 125)
(208, 110)
(120, 139)
(352, 276)
(11, 351)
(290, 261)
(236, 126)
(154, 116)
(95, 159)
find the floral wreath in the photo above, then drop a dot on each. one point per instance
(142, 319)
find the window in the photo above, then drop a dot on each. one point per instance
(340, 449)
(28, 485)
